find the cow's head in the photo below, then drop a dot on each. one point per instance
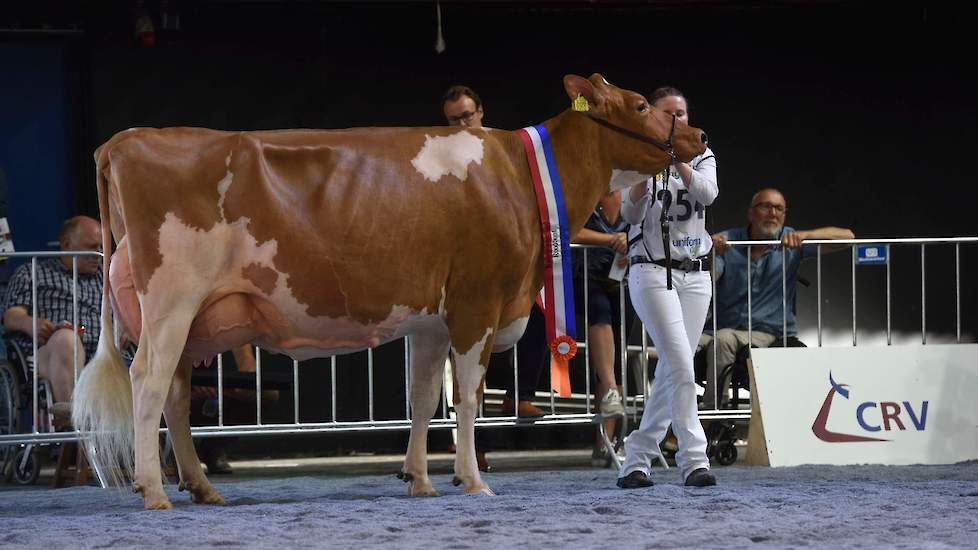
(634, 133)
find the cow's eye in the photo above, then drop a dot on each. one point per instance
(642, 107)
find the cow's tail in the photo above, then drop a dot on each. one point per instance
(102, 403)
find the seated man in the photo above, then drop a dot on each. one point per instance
(766, 217)
(239, 408)
(55, 337)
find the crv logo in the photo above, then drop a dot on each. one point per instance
(870, 416)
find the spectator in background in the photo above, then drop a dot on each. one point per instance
(463, 107)
(239, 408)
(766, 217)
(56, 337)
(604, 228)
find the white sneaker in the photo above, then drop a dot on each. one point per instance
(611, 403)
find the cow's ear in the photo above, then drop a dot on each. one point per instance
(578, 86)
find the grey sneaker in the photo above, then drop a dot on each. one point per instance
(600, 458)
(611, 403)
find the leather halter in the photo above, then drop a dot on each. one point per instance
(664, 146)
(664, 217)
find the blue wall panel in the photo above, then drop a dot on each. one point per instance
(35, 141)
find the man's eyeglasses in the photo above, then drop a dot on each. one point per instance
(465, 117)
(769, 207)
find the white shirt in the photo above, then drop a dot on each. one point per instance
(687, 204)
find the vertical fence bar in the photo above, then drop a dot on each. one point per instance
(622, 335)
(407, 378)
(370, 383)
(258, 385)
(587, 334)
(818, 289)
(445, 388)
(332, 387)
(516, 379)
(889, 300)
(713, 305)
(750, 314)
(220, 389)
(553, 403)
(295, 390)
(957, 290)
(37, 365)
(923, 296)
(784, 297)
(853, 254)
(74, 316)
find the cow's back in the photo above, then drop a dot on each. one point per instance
(326, 224)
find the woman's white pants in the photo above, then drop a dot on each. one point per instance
(674, 319)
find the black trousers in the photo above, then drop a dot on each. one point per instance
(531, 355)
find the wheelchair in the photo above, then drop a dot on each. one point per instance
(22, 462)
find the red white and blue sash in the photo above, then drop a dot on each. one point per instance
(558, 284)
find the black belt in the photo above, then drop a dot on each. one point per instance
(688, 264)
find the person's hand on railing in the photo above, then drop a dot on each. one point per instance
(792, 239)
(720, 245)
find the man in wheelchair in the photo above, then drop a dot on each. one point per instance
(56, 335)
(766, 217)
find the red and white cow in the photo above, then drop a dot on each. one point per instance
(321, 242)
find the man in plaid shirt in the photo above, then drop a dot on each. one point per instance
(54, 306)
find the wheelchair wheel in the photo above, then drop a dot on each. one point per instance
(9, 407)
(9, 400)
(726, 453)
(26, 473)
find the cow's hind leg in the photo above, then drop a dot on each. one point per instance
(177, 414)
(160, 346)
(428, 353)
(470, 368)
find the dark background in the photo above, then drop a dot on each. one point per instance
(862, 113)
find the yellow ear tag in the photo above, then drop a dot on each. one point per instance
(580, 104)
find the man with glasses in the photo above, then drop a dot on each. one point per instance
(766, 217)
(462, 107)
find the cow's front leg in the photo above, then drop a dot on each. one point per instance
(429, 349)
(470, 368)
(177, 414)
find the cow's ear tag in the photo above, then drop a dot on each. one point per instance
(580, 104)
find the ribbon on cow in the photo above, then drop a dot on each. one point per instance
(558, 287)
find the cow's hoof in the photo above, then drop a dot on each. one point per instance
(153, 499)
(157, 502)
(418, 488)
(201, 493)
(456, 481)
(208, 495)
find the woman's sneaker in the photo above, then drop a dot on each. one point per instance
(600, 458)
(611, 403)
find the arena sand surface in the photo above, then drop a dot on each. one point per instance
(753, 507)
